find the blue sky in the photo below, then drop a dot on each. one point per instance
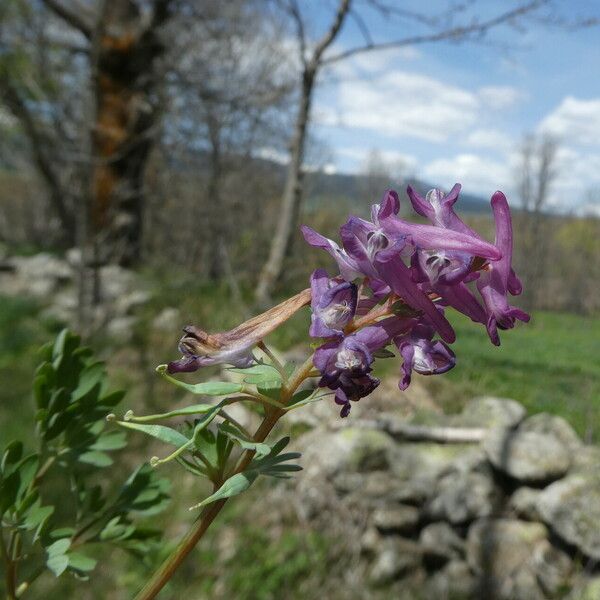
(458, 112)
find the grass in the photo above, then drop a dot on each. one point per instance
(551, 364)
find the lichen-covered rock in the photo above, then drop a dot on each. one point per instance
(454, 581)
(396, 558)
(586, 590)
(552, 568)
(500, 552)
(571, 508)
(368, 449)
(586, 459)
(554, 426)
(490, 412)
(524, 503)
(462, 498)
(527, 456)
(441, 543)
(396, 519)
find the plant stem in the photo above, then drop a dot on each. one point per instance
(208, 515)
(273, 359)
(9, 570)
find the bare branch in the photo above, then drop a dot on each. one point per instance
(327, 39)
(39, 143)
(457, 33)
(294, 11)
(363, 27)
(74, 17)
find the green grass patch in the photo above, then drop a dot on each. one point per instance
(551, 364)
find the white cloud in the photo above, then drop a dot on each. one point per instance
(269, 153)
(476, 173)
(575, 120)
(499, 97)
(492, 139)
(404, 104)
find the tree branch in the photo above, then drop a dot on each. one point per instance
(38, 143)
(459, 32)
(74, 18)
(294, 11)
(327, 39)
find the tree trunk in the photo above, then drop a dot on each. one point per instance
(123, 132)
(292, 196)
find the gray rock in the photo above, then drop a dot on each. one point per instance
(554, 426)
(441, 543)
(462, 498)
(586, 590)
(490, 412)
(412, 491)
(369, 449)
(571, 507)
(454, 581)
(128, 303)
(120, 329)
(505, 544)
(500, 552)
(347, 483)
(522, 586)
(396, 558)
(524, 503)
(552, 568)
(116, 281)
(396, 519)
(168, 319)
(370, 541)
(586, 459)
(528, 456)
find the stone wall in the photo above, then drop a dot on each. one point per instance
(515, 514)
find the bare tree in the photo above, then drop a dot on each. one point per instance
(536, 173)
(314, 54)
(115, 44)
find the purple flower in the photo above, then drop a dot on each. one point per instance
(421, 354)
(493, 285)
(234, 347)
(438, 208)
(348, 268)
(333, 305)
(398, 276)
(345, 365)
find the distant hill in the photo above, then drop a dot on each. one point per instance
(349, 191)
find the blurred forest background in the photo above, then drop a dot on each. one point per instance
(157, 158)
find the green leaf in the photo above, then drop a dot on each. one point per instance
(114, 440)
(233, 486)
(208, 388)
(81, 562)
(164, 434)
(90, 377)
(9, 488)
(259, 374)
(271, 389)
(12, 455)
(58, 563)
(58, 547)
(27, 469)
(237, 436)
(194, 409)
(96, 458)
(300, 396)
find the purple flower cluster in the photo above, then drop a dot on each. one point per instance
(418, 271)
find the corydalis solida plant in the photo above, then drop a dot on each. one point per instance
(396, 280)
